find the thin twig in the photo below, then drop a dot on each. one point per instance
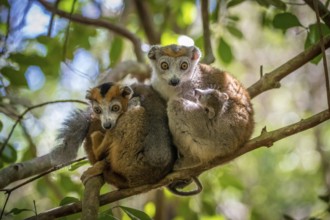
(102, 24)
(29, 109)
(323, 11)
(51, 22)
(4, 205)
(209, 57)
(272, 80)
(325, 65)
(67, 31)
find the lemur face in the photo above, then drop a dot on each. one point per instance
(109, 101)
(174, 63)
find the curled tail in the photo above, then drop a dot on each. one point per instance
(179, 184)
(71, 136)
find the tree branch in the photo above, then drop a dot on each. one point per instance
(29, 109)
(272, 80)
(146, 21)
(209, 57)
(265, 139)
(100, 23)
(90, 203)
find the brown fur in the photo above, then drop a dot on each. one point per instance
(138, 150)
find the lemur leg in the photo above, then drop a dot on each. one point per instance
(95, 170)
(99, 145)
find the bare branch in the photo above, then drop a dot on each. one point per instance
(209, 57)
(147, 21)
(29, 109)
(265, 139)
(100, 23)
(272, 80)
(90, 203)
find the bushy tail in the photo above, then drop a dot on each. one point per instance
(71, 136)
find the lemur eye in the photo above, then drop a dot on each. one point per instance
(115, 108)
(97, 110)
(184, 65)
(164, 66)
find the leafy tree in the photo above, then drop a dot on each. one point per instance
(52, 51)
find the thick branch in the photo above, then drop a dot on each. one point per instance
(100, 23)
(271, 80)
(209, 57)
(147, 21)
(265, 139)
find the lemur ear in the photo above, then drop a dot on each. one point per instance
(126, 92)
(88, 95)
(196, 53)
(152, 52)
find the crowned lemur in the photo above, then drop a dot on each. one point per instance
(209, 111)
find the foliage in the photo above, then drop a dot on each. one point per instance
(39, 64)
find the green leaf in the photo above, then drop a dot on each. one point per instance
(16, 77)
(285, 21)
(235, 31)
(27, 59)
(233, 3)
(16, 211)
(77, 165)
(325, 198)
(9, 154)
(277, 3)
(1, 125)
(107, 215)
(116, 50)
(224, 51)
(287, 217)
(68, 200)
(313, 37)
(4, 3)
(135, 214)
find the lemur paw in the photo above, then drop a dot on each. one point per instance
(95, 170)
(213, 86)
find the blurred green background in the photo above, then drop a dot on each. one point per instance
(290, 180)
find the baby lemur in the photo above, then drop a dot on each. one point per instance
(205, 124)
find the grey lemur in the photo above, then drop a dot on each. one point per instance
(200, 136)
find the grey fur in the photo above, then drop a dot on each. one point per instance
(71, 136)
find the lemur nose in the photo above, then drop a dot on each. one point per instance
(174, 82)
(107, 125)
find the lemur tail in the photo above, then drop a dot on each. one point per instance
(71, 135)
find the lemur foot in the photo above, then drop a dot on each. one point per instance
(95, 170)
